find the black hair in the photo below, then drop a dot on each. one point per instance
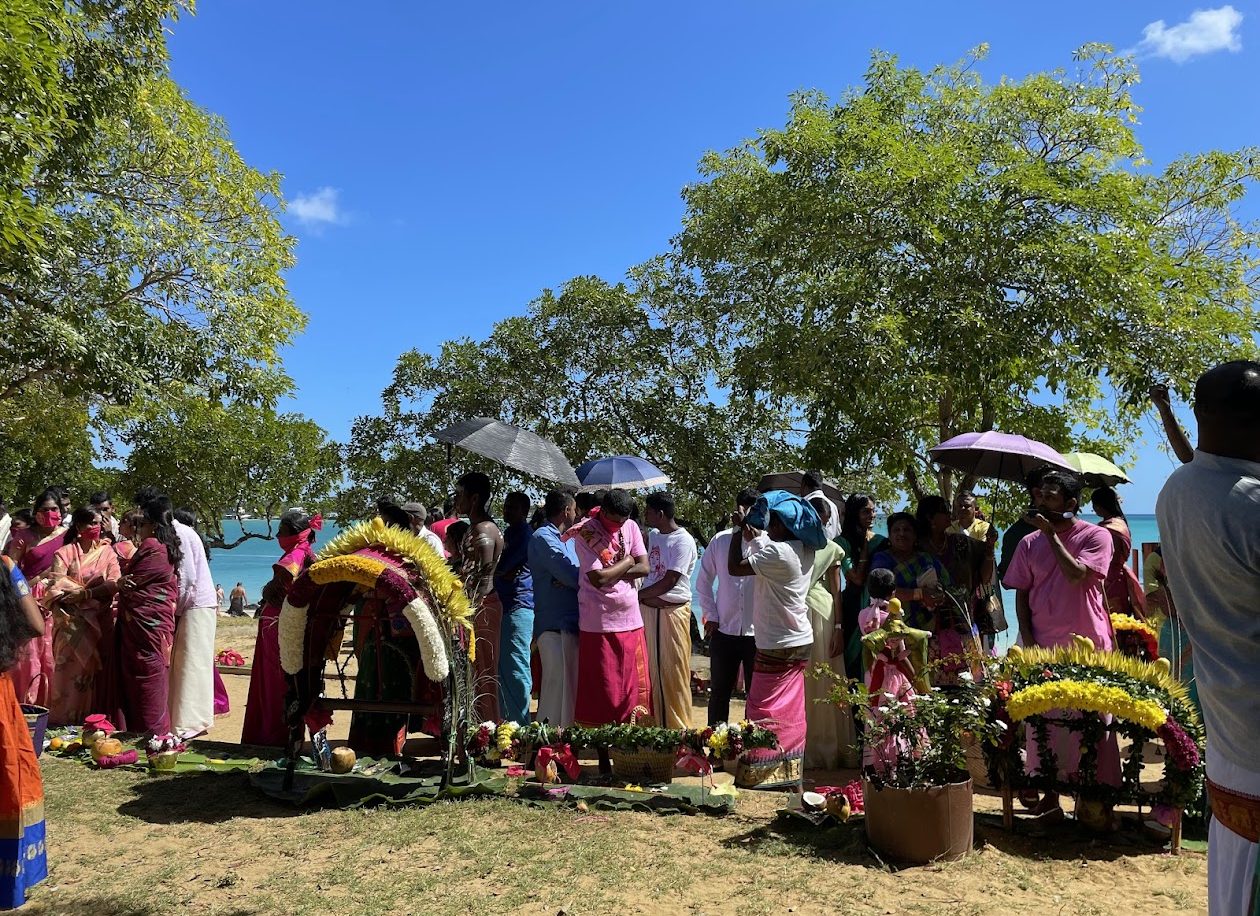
(618, 502)
(1108, 502)
(516, 496)
(25, 516)
(456, 531)
(585, 502)
(15, 629)
(747, 497)
(881, 583)
(821, 507)
(902, 517)
(434, 514)
(662, 502)
(1066, 481)
(1032, 480)
(849, 520)
(81, 516)
(1231, 391)
(50, 493)
(146, 494)
(928, 507)
(158, 511)
(185, 517)
(298, 521)
(556, 502)
(475, 483)
(964, 494)
(812, 480)
(538, 518)
(392, 514)
(100, 496)
(599, 495)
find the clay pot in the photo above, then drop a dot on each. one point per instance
(919, 826)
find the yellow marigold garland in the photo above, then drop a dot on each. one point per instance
(1033, 658)
(359, 570)
(1125, 622)
(444, 585)
(1039, 699)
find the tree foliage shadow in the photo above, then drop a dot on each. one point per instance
(1064, 840)
(201, 798)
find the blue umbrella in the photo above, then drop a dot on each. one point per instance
(623, 471)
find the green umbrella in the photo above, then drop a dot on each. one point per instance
(1097, 470)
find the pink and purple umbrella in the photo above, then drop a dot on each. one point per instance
(1004, 456)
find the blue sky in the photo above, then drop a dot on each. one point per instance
(444, 164)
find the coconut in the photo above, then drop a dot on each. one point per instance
(106, 747)
(838, 806)
(342, 760)
(90, 738)
(812, 801)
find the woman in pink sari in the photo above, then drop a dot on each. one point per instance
(83, 581)
(32, 549)
(146, 624)
(264, 710)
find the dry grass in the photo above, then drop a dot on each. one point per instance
(124, 844)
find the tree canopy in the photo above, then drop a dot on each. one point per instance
(928, 256)
(934, 255)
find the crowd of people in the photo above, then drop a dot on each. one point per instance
(116, 615)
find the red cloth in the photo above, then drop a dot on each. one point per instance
(439, 528)
(222, 703)
(146, 632)
(612, 677)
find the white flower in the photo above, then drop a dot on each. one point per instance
(1000, 724)
(429, 636)
(292, 634)
(965, 676)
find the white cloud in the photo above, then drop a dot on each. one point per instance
(1204, 32)
(318, 208)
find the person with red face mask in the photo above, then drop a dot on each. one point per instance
(32, 549)
(264, 710)
(83, 581)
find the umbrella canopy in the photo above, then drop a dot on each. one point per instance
(623, 471)
(1097, 470)
(791, 481)
(1003, 456)
(512, 446)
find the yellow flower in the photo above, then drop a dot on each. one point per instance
(1039, 699)
(1125, 622)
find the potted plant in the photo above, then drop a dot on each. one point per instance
(917, 790)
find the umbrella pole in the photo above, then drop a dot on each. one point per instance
(450, 471)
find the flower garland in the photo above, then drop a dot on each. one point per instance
(444, 585)
(291, 631)
(1135, 638)
(1144, 698)
(1040, 699)
(429, 636)
(725, 741)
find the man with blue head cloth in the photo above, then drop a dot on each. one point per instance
(782, 630)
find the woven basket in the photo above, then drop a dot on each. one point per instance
(643, 765)
(976, 766)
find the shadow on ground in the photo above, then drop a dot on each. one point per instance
(201, 798)
(102, 905)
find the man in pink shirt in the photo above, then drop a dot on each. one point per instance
(612, 651)
(1058, 573)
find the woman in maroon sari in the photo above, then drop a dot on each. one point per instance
(1121, 588)
(32, 549)
(146, 624)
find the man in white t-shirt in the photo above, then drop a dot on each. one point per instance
(781, 625)
(812, 488)
(665, 602)
(727, 610)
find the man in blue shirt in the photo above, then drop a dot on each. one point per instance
(515, 588)
(554, 566)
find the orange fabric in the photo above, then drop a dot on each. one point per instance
(21, 788)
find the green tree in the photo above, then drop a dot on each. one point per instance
(211, 458)
(65, 65)
(599, 369)
(165, 263)
(934, 255)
